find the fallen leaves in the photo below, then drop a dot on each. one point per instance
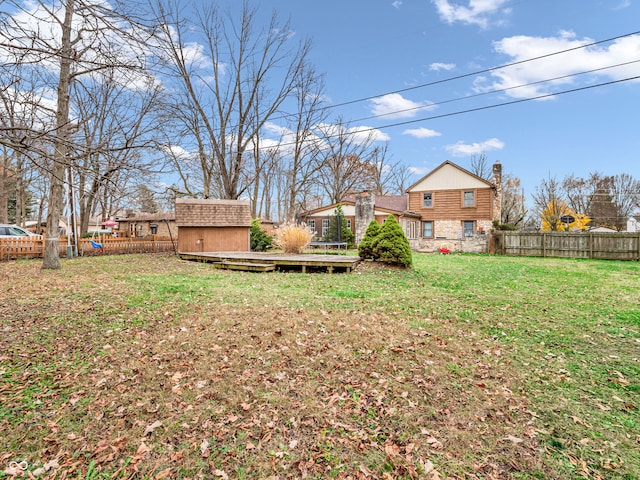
(270, 391)
(151, 428)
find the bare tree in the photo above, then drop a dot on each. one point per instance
(480, 166)
(65, 43)
(513, 211)
(383, 169)
(110, 141)
(21, 118)
(347, 160)
(304, 160)
(607, 200)
(400, 179)
(549, 202)
(229, 89)
(626, 196)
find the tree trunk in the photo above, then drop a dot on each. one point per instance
(51, 258)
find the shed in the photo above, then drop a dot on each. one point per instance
(213, 225)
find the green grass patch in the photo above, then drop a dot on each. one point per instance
(470, 365)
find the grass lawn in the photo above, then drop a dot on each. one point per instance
(468, 367)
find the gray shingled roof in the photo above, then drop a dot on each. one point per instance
(396, 203)
(212, 213)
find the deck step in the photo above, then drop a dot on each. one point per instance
(245, 266)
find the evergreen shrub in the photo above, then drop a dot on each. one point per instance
(365, 247)
(260, 241)
(391, 245)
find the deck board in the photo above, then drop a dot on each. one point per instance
(280, 260)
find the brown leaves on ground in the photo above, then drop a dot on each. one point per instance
(228, 392)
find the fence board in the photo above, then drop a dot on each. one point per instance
(13, 248)
(603, 246)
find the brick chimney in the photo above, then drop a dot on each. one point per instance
(497, 197)
(365, 212)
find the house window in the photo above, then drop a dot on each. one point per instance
(325, 226)
(427, 200)
(468, 227)
(469, 198)
(154, 228)
(311, 223)
(427, 229)
(349, 223)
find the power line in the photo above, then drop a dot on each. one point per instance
(500, 90)
(486, 70)
(471, 74)
(471, 110)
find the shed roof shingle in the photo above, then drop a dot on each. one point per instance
(212, 213)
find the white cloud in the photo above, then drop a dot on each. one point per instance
(523, 47)
(395, 105)
(421, 133)
(397, 4)
(437, 66)
(479, 12)
(362, 133)
(622, 5)
(178, 152)
(467, 149)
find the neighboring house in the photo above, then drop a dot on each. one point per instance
(378, 207)
(453, 203)
(633, 224)
(213, 225)
(138, 225)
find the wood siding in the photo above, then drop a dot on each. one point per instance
(447, 205)
(213, 239)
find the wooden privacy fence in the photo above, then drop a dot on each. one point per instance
(602, 246)
(12, 248)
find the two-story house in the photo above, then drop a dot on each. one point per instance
(449, 203)
(454, 203)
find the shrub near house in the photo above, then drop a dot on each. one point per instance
(260, 241)
(365, 248)
(391, 245)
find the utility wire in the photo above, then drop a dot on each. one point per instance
(477, 109)
(501, 90)
(466, 75)
(486, 70)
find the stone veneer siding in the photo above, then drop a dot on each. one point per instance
(448, 235)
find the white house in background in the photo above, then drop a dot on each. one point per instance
(602, 230)
(633, 224)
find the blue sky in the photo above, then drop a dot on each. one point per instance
(370, 48)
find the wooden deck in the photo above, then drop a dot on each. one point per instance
(280, 261)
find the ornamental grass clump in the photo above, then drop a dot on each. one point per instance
(293, 237)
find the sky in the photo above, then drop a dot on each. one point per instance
(416, 63)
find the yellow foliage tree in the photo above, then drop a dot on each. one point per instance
(556, 209)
